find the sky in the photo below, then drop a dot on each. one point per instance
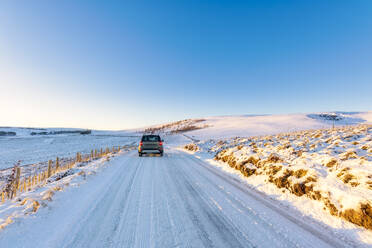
(129, 64)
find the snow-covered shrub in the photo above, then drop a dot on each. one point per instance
(191, 147)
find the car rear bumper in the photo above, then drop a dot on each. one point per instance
(150, 151)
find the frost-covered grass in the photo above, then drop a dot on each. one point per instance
(330, 166)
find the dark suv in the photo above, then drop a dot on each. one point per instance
(150, 144)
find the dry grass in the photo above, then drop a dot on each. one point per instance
(369, 183)
(361, 216)
(252, 160)
(274, 158)
(347, 178)
(191, 147)
(248, 171)
(300, 173)
(331, 163)
(364, 147)
(35, 206)
(348, 155)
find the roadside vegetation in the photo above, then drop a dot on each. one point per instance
(192, 147)
(331, 166)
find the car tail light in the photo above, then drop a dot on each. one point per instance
(160, 143)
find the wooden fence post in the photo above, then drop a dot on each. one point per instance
(50, 168)
(16, 182)
(29, 183)
(20, 186)
(57, 164)
(78, 157)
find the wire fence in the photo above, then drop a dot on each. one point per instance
(17, 182)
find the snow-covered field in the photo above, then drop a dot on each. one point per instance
(301, 185)
(30, 149)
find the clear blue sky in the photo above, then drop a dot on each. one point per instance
(123, 64)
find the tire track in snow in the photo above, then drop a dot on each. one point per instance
(101, 222)
(260, 224)
(199, 209)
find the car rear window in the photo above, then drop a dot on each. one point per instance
(150, 138)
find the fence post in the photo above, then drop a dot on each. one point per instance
(16, 182)
(28, 183)
(20, 186)
(57, 164)
(78, 157)
(50, 168)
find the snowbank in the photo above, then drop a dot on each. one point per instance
(330, 166)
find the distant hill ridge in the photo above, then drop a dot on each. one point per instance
(252, 125)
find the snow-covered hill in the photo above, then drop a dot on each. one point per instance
(253, 125)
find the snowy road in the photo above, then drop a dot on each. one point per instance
(171, 201)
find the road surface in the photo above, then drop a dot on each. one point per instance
(171, 201)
